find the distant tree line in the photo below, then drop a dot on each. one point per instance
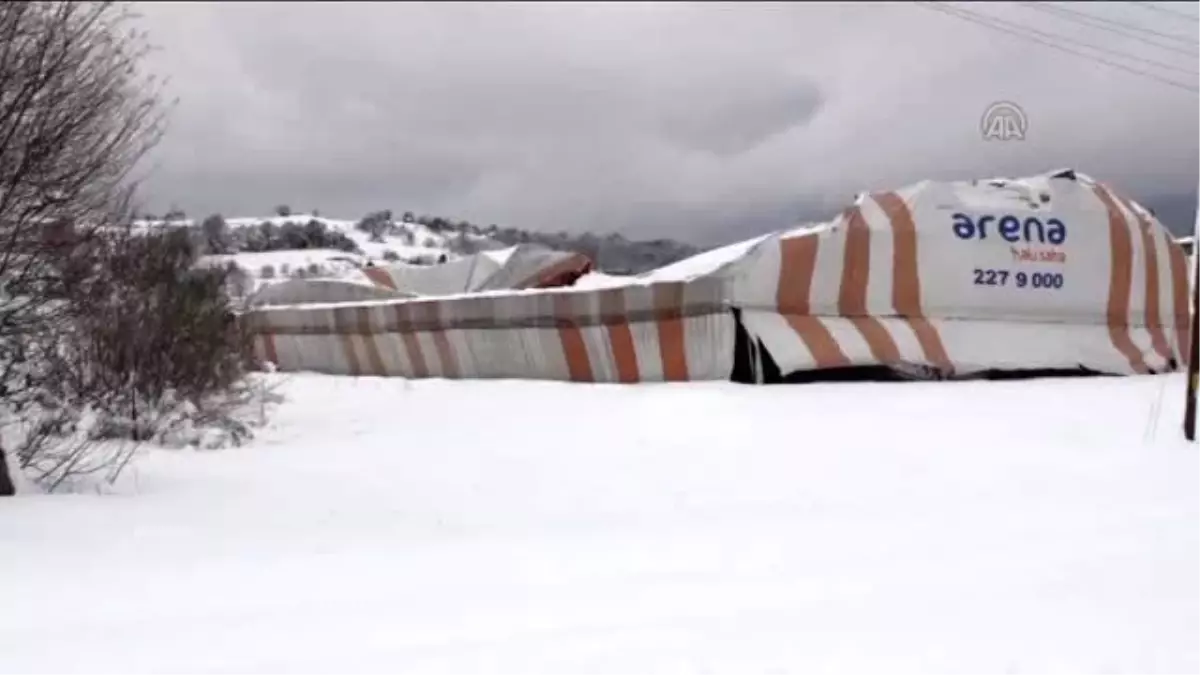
(216, 237)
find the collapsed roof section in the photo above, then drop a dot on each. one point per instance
(519, 267)
(304, 291)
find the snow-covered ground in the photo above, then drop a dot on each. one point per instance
(521, 527)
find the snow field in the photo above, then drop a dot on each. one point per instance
(506, 526)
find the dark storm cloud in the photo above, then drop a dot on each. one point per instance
(699, 121)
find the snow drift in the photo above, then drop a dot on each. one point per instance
(708, 528)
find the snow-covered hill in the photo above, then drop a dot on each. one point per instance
(404, 242)
(408, 242)
(426, 240)
(385, 525)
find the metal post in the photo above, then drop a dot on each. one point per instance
(1193, 359)
(1193, 366)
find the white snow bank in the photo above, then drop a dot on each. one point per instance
(390, 526)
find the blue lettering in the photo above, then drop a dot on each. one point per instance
(1057, 233)
(963, 227)
(1030, 223)
(983, 221)
(1010, 229)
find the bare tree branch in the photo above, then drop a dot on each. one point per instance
(77, 115)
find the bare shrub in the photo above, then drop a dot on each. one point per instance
(76, 116)
(152, 344)
(108, 337)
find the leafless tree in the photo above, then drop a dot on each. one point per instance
(77, 113)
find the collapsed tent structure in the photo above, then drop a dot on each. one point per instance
(307, 291)
(938, 279)
(518, 267)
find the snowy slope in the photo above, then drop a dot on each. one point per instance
(269, 267)
(524, 527)
(425, 242)
(330, 262)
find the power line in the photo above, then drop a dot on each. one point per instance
(1087, 45)
(967, 16)
(1164, 10)
(1114, 26)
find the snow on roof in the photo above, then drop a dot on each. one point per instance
(703, 263)
(598, 280)
(500, 256)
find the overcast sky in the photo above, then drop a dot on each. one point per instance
(704, 122)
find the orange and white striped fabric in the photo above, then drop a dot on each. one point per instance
(890, 281)
(1048, 272)
(660, 332)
